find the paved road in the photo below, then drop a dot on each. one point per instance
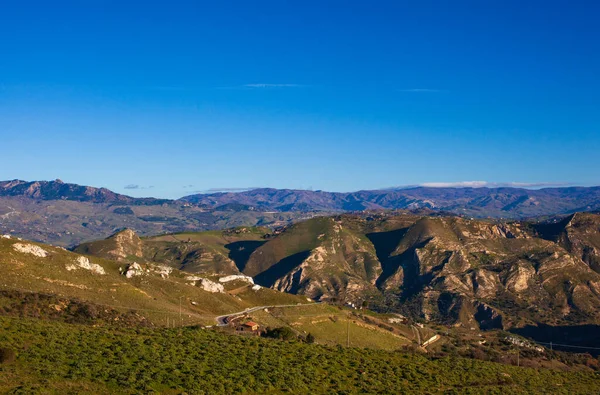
(223, 320)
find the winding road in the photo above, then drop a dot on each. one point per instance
(223, 320)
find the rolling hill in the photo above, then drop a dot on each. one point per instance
(154, 291)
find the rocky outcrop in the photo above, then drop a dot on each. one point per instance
(121, 246)
(519, 277)
(211, 286)
(82, 262)
(206, 284)
(127, 243)
(235, 277)
(133, 270)
(30, 249)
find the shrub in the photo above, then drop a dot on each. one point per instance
(282, 333)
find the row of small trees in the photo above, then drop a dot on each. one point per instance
(286, 333)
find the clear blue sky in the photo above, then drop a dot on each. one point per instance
(186, 96)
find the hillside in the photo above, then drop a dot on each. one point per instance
(319, 258)
(441, 269)
(154, 291)
(211, 252)
(579, 234)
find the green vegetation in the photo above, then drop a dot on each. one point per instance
(63, 358)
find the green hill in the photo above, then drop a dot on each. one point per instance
(157, 292)
(68, 358)
(210, 252)
(320, 258)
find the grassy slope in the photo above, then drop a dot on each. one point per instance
(61, 358)
(196, 252)
(329, 325)
(155, 297)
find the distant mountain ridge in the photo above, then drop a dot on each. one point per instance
(503, 202)
(58, 190)
(67, 214)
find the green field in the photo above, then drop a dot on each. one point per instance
(65, 358)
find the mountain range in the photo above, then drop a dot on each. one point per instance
(67, 214)
(476, 202)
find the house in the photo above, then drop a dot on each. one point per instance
(249, 326)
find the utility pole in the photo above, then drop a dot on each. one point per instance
(348, 331)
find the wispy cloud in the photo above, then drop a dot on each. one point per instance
(136, 186)
(482, 184)
(422, 90)
(273, 86)
(235, 189)
(188, 186)
(263, 86)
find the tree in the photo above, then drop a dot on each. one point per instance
(282, 333)
(310, 339)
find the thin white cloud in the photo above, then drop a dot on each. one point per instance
(421, 90)
(136, 186)
(482, 184)
(272, 86)
(262, 86)
(220, 190)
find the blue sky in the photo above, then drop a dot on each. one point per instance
(168, 98)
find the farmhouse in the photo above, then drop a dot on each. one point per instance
(249, 326)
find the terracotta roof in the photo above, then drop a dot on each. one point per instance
(250, 323)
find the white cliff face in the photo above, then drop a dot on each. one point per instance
(134, 270)
(519, 277)
(205, 284)
(30, 249)
(84, 263)
(211, 286)
(5, 236)
(234, 277)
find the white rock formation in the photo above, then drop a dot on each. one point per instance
(84, 263)
(256, 287)
(163, 270)
(134, 270)
(5, 236)
(211, 286)
(234, 277)
(30, 249)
